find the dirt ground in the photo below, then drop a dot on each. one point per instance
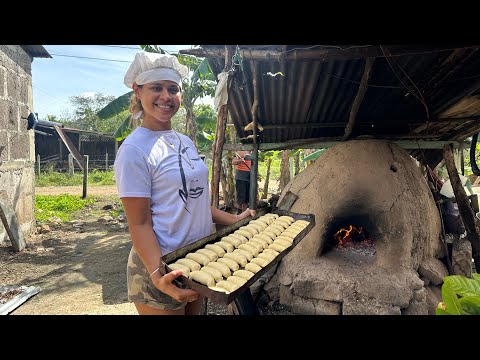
(79, 266)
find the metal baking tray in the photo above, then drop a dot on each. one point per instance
(220, 297)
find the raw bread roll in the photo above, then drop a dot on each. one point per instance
(199, 258)
(245, 233)
(277, 247)
(237, 280)
(227, 285)
(255, 245)
(281, 223)
(267, 219)
(202, 277)
(250, 229)
(256, 226)
(212, 255)
(291, 233)
(217, 275)
(297, 226)
(225, 246)
(230, 263)
(271, 251)
(259, 261)
(303, 222)
(224, 269)
(259, 241)
(238, 258)
(263, 224)
(219, 289)
(245, 253)
(286, 238)
(192, 265)
(247, 247)
(277, 230)
(266, 256)
(185, 269)
(253, 267)
(286, 218)
(242, 238)
(262, 236)
(217, 248)
(268, 233)
(244, 274)
(231, 240)
(279, 227)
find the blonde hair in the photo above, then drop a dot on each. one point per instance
(135, 107)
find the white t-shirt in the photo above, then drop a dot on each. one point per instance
(148, 164)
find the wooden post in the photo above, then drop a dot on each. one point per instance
(12, 226)
(71, 169)
(253, 179)
(220, 136)
(254, 170)
(85, 175)
(462, 159)
(106, 161)
(464, 207)
(38, 164)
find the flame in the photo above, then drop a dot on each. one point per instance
(346, 236)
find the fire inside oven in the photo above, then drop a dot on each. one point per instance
(350, 235)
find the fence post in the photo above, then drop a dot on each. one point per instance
(106, 161)
(85, 175)
(38, 164)
(71, 169)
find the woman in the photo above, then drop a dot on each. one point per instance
(163, 185)
(243, 165)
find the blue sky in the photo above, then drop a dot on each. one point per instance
(68, 73)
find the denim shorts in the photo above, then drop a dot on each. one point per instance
(141, 289)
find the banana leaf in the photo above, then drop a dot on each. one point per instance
(203, 72)
(314, 155)
(116, 106)
(123, 130)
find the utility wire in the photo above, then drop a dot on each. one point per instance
(92, 58)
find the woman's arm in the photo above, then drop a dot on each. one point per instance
(137, 211)
(225, 218)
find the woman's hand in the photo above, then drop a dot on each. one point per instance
(164, 284)
(247, 213)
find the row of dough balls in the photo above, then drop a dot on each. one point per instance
(229, 263)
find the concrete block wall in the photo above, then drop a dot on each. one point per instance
(17, 146)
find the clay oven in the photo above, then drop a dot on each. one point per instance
(376, 224)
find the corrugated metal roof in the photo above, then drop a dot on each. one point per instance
(36, 51)
(415, 92)
(422, 92)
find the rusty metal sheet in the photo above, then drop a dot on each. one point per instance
(219, 297)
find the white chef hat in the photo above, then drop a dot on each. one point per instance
(148, 67)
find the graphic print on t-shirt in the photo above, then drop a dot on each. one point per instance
(184, 193)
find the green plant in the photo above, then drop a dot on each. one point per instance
(460, 295)
(61, 207)
(95, 177)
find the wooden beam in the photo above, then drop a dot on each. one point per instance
(254, 164)
(464, 207)
(219, 139)
(322, 144)
(362, 89)
(319, 124)
(324, 53)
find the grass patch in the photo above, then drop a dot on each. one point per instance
(63, 207)
(95, 178)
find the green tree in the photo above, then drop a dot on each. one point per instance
(206, 121)
(202, 83)
(85, 113)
